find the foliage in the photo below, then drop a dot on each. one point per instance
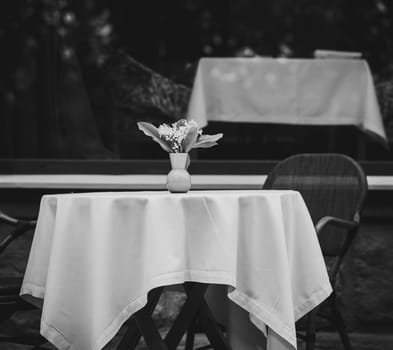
(168, 36)
(181, 137)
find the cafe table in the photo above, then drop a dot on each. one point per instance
(286, 91)
(95, 257)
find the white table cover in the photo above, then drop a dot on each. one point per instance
(95, 256)
(287, 91)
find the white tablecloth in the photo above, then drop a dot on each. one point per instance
(95, 256)
(287, 91)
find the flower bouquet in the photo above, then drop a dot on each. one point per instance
(178, 139)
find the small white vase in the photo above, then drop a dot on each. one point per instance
(178, 179)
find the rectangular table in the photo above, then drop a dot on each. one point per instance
(286, 91)
(95, 257)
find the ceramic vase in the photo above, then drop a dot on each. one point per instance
(178, 179)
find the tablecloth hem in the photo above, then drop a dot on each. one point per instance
(124, 315)
(380, 138)
(32, 289)
(55, 337)
(49, 332)
(378, 135)
(201, 276)
(178, 277)
(261, 317)
(279, 119)
(312, 301)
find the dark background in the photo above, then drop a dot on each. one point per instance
(75, 76)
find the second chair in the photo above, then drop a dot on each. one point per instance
(333, 187)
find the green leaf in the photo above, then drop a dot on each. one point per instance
(188, 161)
(163, 144)
(206, 144)
(190, 139)
(150, 130)
(208, 138)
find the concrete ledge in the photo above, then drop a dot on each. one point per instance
(153, 182)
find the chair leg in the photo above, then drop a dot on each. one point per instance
(310, 329)
(339, 323)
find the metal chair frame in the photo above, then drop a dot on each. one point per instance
(10, 302)
(339, 175)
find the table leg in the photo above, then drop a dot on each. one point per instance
(149, 331)
(142, 324)
(195, 292)
(133, 334)
(196, 307)
(131, 338)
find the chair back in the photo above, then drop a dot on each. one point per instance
(331, 185)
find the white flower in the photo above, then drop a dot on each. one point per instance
(181, 136)
(176, 133)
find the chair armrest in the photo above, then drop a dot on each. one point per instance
(20, 227)
(350, 226)
(331, 220)
(7, 219)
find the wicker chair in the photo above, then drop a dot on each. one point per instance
(334, 188)
(10, 302)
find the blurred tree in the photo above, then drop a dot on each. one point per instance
(49, 40)
(46, 111)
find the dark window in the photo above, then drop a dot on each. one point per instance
(76, 76)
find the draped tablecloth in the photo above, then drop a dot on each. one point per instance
(286, 91)
(95, 256)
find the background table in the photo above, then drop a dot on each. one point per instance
(95, 256)
(286, 91)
